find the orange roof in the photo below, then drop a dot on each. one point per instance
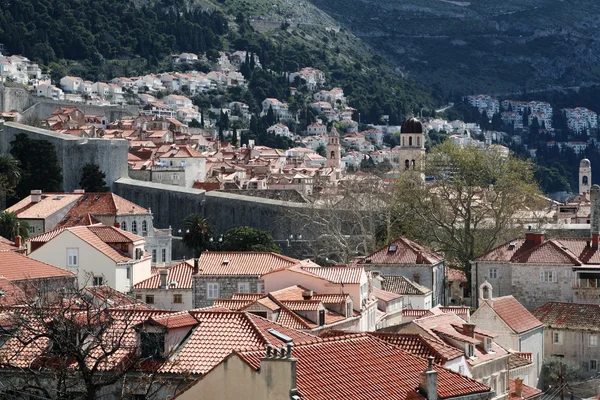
(421, 346)
(220, 332)
(336, 274)
(99, 204)
(10, 294)
(514, 314)
(527, 392)
(357, 367)
(49, 204)
(242, 262)
(403, 251)
(6, 244)
(109, 296)
(455, 275)
(575, 316)
(180, 273)
(385, 295)
(174, 321)
(17, 267)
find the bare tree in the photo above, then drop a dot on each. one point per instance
(75, 346)
(348, 220)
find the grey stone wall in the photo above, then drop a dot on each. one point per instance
(228, 285)
(14, 97)
(73, 153)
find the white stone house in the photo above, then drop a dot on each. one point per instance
(71, 84)
(179, 166)
(105, 255)
(176, 101)
(280, 130)
(49, 91)
(170, 288)
(518, 330)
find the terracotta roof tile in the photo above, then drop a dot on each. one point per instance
(49, 204)
(233, 305)
(221, 332)
(99, 204)
(527, 392)
(514, 314)
(17, 267)
(111, 234)
(403, 251)
(574, 316)
(515, 361)
(385, 295)
(302, 305)
(10, 294)
(242, 263)
(174, 321)
(359, 366)
(337, 274)
(420, 346)
(109, 296)
(180, 273)
(85, 234)
(247, 296)
(6, 244)
(402, 285)
(455, 275)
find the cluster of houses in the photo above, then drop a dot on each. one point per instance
(533, 298)
(21, 70)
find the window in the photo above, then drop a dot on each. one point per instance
(124, 225)
(410, 140)
(260, 287)
(488, 344)
(73, 257)
(212, 290)
(98, 281)
(548, 276)
(149, 299)
(138, 297)
(152, 345)
(177, 299)
(348, 310)
(584, 365)
(332, 154)
(153, 256)
(569, 272)
(593, 365)
(144, 228)
(134, 226)
(557, 337)
(593, 340)
(163, 255)
(493, 273)
(363, 291)
(406, 164)
(243, 287)
(128, 272)
(418, 141)
(469, 350)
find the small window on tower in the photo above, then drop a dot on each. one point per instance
(333, 154)
(410, 140)
(406, 164)
(584, 180)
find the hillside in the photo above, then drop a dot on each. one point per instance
(480, 46)
(101, 39)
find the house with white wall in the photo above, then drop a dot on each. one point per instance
(98, 255)
(71, 84)
(170, 288)
(179, 166)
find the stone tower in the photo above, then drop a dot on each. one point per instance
(412, 144)
(333, 149)
(585, 176)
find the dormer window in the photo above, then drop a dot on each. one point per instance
(469, 350)
(488, 344)
(392, 248)
(152, 345)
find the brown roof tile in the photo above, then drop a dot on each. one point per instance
(403, 251)
(242, 263)
(180, 273)
(402, 285)
(514, 314)
(17, 267)
(574, 316)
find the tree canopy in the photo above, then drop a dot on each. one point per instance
(10, 226)
(197, 232)
(475, 199)
(245, 238)
(93, 179)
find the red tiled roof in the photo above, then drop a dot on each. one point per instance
(574, 316)
(514, 314)
(180, 273)
(17, 267)
(6, 244)
(234, 305)
(406, 253)
(337, 274)
(402, 285)
(302, 305)
(221, 332)
(49, 204)
(10, 294)
(85, 234)
(111, 234)
(109, 296)
(527, 392)
(359, 367)
(385, 295)
(178, 320)
(99, 204)
(246, 296)
(420, 346)
(454, 274)
(242, 263)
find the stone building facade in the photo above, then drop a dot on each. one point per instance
(227, 286)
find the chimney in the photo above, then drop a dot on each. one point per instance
(420, 257)
(36, 196)
(117, 224)
(18, 241)
(428, 383)
(536, 238)
(469, 330)
(519, 387)
(279, 365)
(163, 278)
(595, 214)
(307, 294)
(195, 270)
(416, 277)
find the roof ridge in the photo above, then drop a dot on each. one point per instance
(550, 242)
(292, 313)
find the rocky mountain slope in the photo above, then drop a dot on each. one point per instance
(480, 45)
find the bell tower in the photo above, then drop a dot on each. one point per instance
(585, 176)
(412, 145)
(333, 149)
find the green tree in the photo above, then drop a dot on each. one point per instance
(554, 367)
(38, 163)
(245, 238)
(197, 232)
(93, 179)
(194, 123)
(10, 175)
(474, 202)
(10, 225)
(322, 151)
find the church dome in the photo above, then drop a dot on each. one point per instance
(412, 125)
(585, 163)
